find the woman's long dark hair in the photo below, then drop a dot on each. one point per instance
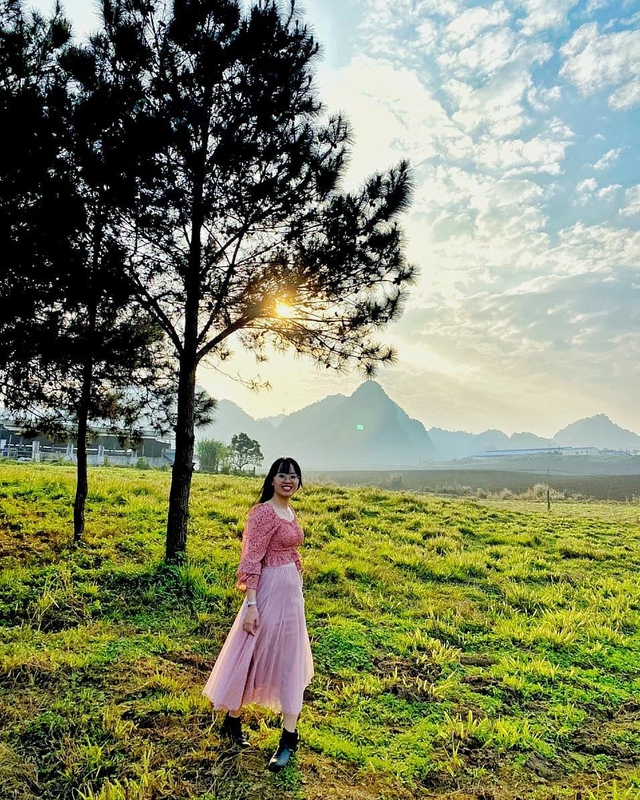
(284, 464)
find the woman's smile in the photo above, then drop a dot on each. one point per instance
(286, 483)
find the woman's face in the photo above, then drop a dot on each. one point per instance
(285, 483)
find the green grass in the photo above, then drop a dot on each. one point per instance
(463, 649)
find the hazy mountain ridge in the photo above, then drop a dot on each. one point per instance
(600, 431)
(368, 430)
(230, 419)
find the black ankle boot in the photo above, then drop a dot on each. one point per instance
(287, 747)
(232, 729)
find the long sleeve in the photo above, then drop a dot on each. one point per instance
(261, 525)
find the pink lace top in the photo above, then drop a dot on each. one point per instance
(267, 541)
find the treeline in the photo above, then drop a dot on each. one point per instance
(215, 456)
(170, 187)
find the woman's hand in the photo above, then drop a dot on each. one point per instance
(251, 620)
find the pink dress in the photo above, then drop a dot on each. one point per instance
(272, 667)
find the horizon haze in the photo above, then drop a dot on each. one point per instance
(369, 430)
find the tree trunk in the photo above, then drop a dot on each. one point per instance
(82, 482)
(178, 515)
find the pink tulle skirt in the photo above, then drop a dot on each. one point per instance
(273, 667)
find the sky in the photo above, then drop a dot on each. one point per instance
(521, 120)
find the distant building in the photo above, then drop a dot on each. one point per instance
(540, 451)
(104, 448)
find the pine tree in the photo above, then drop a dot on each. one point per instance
(241, 232)
(73, 342)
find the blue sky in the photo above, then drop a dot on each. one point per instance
(521, 119)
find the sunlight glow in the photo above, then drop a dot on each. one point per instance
(283, 310)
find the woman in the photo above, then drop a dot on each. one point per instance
(266, 658)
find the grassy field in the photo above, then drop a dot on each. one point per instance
(464, 648)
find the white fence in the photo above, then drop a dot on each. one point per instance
(96, 456)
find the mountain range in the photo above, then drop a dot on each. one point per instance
(368, 430)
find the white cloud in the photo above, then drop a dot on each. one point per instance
(486, 54)
(447, 9)
(626, 22)
(595, 5)
(586, 190)
(632, 198)
(541, 99)
(393, 115)
(427, 34)
(587, 186)
(596, 248)
(607, 159)
(596, 62)
(497, 104)
(627, 96)
(385, 25)
(542, 15)
(610, 192)
(553, 318)
(541, 154)
(467, 26)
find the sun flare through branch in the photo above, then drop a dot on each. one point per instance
(284, 310)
